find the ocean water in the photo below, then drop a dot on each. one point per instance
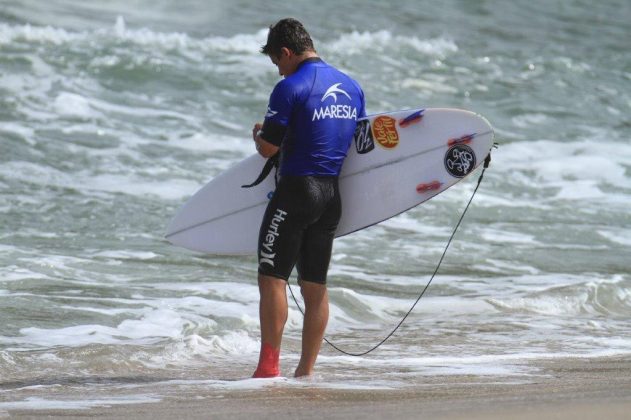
(112, 115)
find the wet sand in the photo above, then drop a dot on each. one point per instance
(562, 389)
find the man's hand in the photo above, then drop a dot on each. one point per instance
(255, 131)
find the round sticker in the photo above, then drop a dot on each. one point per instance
(459, 160)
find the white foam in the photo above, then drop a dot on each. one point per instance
(240, 146)
(105, 61)
(173, 189)
(74, 105)
(153, 326)
(544, 305)
(174, 41)
(571, 296)
(240, 43)
(352, 271)
(20, 129)
(17, 273)
(360, 42)
(108, 312)
(139, 111)
(34, 173)
(528, 120)
(48, 34)
(506, 199)
(499, 266)
(194, 349)
(429, 84)
(156, 320)
(388, 309)
(410, 222)
(236, 343)
(58, 262)
(131, 184)
(578, 170)
(231, 348)
(316, 381)
(37, 403)
(468, 364)
(215, 308)
(126, 254)
(621, 236)
(506, 237)
(239, 293)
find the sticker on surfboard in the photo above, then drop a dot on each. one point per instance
(364, 141)
(459, 160)
(385, 131)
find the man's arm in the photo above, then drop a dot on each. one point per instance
(263, 147)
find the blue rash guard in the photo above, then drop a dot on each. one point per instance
(312, 116)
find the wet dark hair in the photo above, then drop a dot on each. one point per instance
(288, 33)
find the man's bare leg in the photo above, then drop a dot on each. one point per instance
(316, 300)
(273, 316)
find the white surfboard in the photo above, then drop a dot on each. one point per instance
(397, 161)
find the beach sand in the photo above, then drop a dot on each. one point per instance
(573, 388)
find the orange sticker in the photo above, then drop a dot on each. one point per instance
(385, 131)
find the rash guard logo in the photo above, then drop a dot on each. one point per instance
(333, 91)
(270, 112)
(346, 112)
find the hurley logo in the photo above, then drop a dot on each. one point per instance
(267, 251)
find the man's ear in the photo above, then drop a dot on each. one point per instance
(286, 52)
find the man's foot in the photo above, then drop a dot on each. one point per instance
(269, 364)
(300, 374)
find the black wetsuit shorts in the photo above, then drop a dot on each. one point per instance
(298, 228)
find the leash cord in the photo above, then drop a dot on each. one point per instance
(487, 161)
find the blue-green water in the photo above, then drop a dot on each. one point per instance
(112, 115)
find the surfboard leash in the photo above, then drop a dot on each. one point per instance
(487, 161)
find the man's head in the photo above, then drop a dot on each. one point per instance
(288, 43)
(288, 33)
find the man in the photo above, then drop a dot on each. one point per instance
(310, 122)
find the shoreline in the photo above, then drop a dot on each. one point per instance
(571, 388)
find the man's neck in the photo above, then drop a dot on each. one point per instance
(300, 59)
(308, 54)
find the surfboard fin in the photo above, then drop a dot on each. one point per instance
(430, 186)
